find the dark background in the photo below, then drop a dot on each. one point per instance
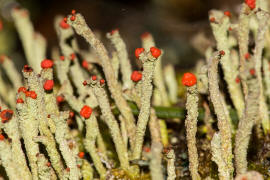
(172, 22)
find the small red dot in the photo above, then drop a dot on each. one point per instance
(155, 52)
(65, 19)
(189, 79)
(31, 94)
(247, 56)
(114, 31)
(63, 24)
(86, 112)
(2, 58)
(71, 114)
(27, 68)
(221, 52)
(2, 137)
(212, 19)
(46, 63)
(48, 164)
(252, 72)
(102, 81)
(136, 76)
(60, 99)
(85, 64)
(22, 89)
(94, 78)
(73, 12)
(72, 56)
(20, 101)
(145, 35)
(81, 155)
(72, 18)
(227, 13)
(6, 115)
(48, 85)
(84, 83)
(146, 149)
(138, 51)
(237, 80)
(62, 58)
(251, 4)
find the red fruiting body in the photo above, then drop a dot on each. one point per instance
(146, 149)
(65, 19)
(60, 99)
(230, 29)
(136, 76)
(62, 58)
(237, 80)
(212, 19)
(72, 56)
(67, 169)
(86, 112)
(114, 31)
(81, 155)
(63, 24)
(221, 52)
(22, 89)
(94, 78)
(48, 85)
(71, 114)
(27, 68)
(247, 56)
(189, 79)
(2, 58)
(145, 35)
(251, 4)
(252, 72)
(73, 12)
(28, 93)
(31, 94)
(46, 63)
(19, 101)
(49, 116)
(138, 51)
(72, 18)
(84, 83)
(102, 81)
(227, 13)
(85, 64)
(155, 52)
(2, 137)
(48, 164)
(6, 115)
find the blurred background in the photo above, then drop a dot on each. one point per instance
(173, 23)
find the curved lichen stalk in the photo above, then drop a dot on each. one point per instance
(245, 125)
(111, 122)
(223, 120)
(82, 29)
(148, 61)
(189, 80)
(220, 28)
